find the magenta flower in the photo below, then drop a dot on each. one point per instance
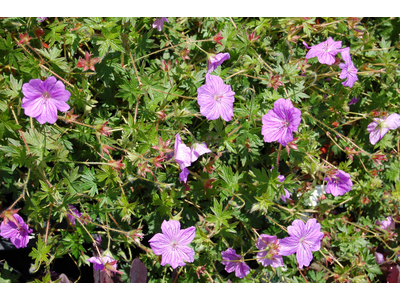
(105, 263)
(281, 178)
(198, 149)
(303, 240)
(379, 127)
(387, 224)
(17, 233)
(339, 183)
(280, 122)
(173, 243)
(216, 60)
(325, 51)
(72, 214)
(41, 19)
(270, 255)
(215, 99)
(234, 262)
(349, 71)
(42, 99)
(183, 157)
(353, 100)
(159, 23)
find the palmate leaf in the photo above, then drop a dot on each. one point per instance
(41, 253)
(220, 216)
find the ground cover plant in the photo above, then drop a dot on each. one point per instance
(199, 149)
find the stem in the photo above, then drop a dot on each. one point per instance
(279, 155)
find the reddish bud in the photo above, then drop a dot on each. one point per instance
(364, 200)
(103, 129)
(251, 37)
(184, 53)
(335, 124)
(39, 32)
(88, 62)
(217, 38)
(105, 148)
(70, 117)
(116, 164)
(377, 158)
(8, 215)
(166, 67)
(275, 81)
(208, 185)
(24, 39)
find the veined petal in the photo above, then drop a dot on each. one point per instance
(304, 255)
(171, 229)
(186, 236)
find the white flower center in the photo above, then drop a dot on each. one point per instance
(45, 96)
(174, 245)
(218, 98)
(285, 123)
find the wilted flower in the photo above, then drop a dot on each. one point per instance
(387, 224)
(215, 60)
(251, 37)
(353, 100)
(378, 158)
(275, 81)
(351, 152)
(380, 259)
(218, 38)
(339, 182)
(105, 263)
(72, 214)
(16, 232)
(70, 117)
(198, 149)
(280, 122)
(42, 99)
(302, 65)
(103, 129)
(159, 23)
(105, 148)
(348, 69)
(215, 99)
(379, 127)
(303, 240)
(166, 66)
(184, 53)
(234, 262)
(292, 145)
(325, 51)
(270, 255)
(173, 243)
(182, 155)
(24, 39)
(88, 62)
(116, 165)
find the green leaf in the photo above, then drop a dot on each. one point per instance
(40, 254)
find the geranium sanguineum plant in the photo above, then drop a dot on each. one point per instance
(325, 51)
(349, 71)
(16, 232)
(42, 99)
(379, 127)
(234, 262)
(280, 122)
(339, 182)
(270, 254)
(173, 243)
(215, 99)
(159, 23)
(303, 240)
(215, 60)
(105, 264)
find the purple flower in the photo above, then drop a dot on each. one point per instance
(17, 233)
(72, 214)
(387, 224)
(339, 183)
(182, 157)
(349, 71)
(303, 240)
(198, 149)
(353, 100)
(305, 45)
(216, 60)
(281, 178)
(159, 23)
(41, 19)
(325, 51)
(173, 243)
(42, 99)
(215, 99)
(380, 259)
(379, 127)
(280, 122)
(270, 255)
(233, 262)
(105, 263)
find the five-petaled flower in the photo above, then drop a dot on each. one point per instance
(234, 262)
(88, 62)
(349, 71)
(339, 182)
(270, 255)
(325, 51)
(159, 23)
(379, 127)
(16, 232)
(387, 224)
(105, 263)
(280, 122)
(42, 99)
(173, 243)
(215, 99)
(215, 60)
(303, 240)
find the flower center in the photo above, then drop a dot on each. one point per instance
(218, 98)
(285, 123)
(174, 245)
(46, 96)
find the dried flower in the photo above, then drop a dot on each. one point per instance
(218, 38)
(215, 60)
(105, 148)
(103, 129)
(303, 240)
(184, 53)
(215, 99)
(159, 23)
(351, 152)
(378, 158)
(275, 81)
(270, 255)
(325, 51)
(88, 62)
(280, 122)
(348, 70)
(166, 67)
(173, 243)
(379, 127)
(339, 182)
(42, 99)
(234, 262)
(116, 164)
(16, 232)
